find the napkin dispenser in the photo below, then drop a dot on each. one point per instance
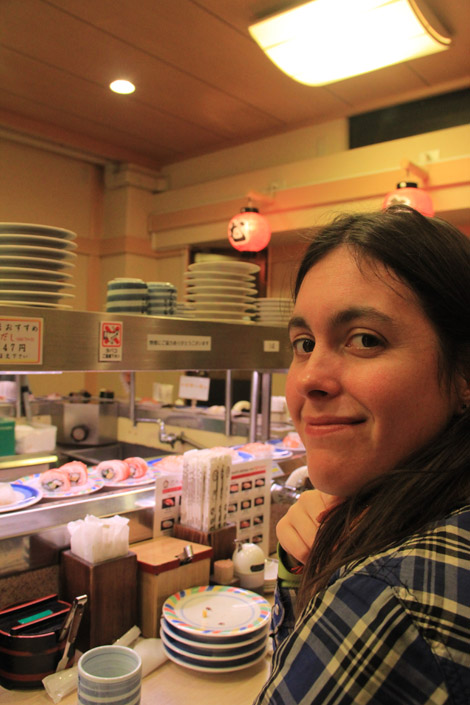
(30, 643)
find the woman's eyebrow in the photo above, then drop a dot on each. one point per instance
(346, 316)
(297, 322)
(353, 312)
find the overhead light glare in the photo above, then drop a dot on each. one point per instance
(122, 86)
(324, 41)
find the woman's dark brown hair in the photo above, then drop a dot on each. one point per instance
(432, 258)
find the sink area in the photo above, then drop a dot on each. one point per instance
(119, 450)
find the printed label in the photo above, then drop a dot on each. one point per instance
(21, 340)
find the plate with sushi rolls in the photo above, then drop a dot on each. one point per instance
(14, 495)
(129, 472)
(69, 480)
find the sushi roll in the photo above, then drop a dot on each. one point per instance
(77, 472)
(55, 480)
(116, 470)
(137, 467)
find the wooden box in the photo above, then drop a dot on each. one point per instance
(160, 574)
(111, 587)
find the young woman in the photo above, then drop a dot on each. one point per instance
(373, 602)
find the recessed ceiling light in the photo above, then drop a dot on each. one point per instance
(122, 86)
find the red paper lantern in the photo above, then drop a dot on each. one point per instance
(407, 193)
(248, 231)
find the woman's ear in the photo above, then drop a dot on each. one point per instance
(463, 394)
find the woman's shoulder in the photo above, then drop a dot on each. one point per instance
(446, 540)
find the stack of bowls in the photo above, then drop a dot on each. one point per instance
(161, 299)
(126, 295)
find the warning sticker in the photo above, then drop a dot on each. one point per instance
(110, 341)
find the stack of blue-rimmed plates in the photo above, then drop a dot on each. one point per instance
(161, 298)
(126, 295)
(215, 628)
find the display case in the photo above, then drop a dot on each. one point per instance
(43, 340)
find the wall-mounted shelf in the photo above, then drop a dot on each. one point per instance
(73, 341)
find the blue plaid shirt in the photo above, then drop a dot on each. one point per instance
(393, 629)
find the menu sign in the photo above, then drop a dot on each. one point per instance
(21, 340)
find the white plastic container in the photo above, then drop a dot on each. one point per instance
(35, 438)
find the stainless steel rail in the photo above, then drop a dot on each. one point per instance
(71, 342)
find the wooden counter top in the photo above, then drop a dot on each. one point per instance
(171, 684)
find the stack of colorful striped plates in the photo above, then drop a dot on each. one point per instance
(215, 628)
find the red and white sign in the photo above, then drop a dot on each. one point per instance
(110, 341)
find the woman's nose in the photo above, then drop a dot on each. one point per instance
(321, 374)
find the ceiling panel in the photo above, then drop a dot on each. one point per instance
(202, 83)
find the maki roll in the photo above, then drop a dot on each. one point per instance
(55, 480)
(116, 470)
(137, 467)
(77, 472)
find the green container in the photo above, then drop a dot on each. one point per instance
(7, 436)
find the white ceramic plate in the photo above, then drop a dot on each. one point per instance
(33, 273)
(208, 280)
(229, 307)
(216, 610)
(196, 665)
(220, 656)
(233, 290)
(213, 646)
(27, 261)
(34, 481)
(193, 277)
(218, 298)
(21, 294)
(34, 304)
(33, 284)
(36, 251)
(41, 240)
(27, 495)
(146, 479)
(38, 229)
(221, 266)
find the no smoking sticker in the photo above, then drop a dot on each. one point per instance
(110, 341)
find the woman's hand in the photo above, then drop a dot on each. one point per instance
(297, 529)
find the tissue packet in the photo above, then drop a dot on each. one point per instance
(95, 539)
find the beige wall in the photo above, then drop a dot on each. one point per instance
(308, 174)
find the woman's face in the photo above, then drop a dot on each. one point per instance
(363, 387)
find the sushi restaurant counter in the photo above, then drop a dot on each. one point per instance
(171, 684)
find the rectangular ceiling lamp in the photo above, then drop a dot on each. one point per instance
(324, 41)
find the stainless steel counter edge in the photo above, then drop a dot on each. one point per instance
(73, 341)
(50, 513)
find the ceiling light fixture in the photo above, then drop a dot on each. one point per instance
(324, 41)
(122, 86)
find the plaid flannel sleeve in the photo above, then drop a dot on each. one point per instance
(355, 644)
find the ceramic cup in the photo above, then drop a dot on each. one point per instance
(108, 675)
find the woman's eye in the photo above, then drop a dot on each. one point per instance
(303, 346)
(363, 341)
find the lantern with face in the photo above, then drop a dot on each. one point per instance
(408, 193)
(248, 231)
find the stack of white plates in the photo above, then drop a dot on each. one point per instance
(215, 628)
(33, 264)
(273, 312)
(126, 295)
(221, 290)
(161, 298)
